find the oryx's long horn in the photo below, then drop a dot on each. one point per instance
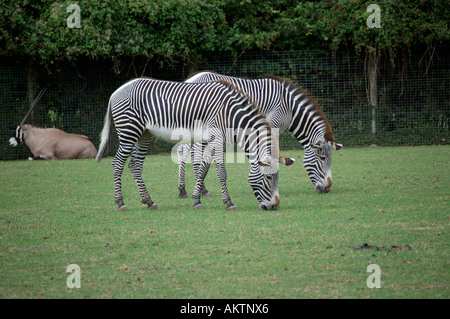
(33, 105)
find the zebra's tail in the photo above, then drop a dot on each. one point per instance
(104, 135)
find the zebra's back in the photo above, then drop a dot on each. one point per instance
(266, 92)
(162, 107)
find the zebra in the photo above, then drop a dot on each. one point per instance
(144, 107)
(288, 108)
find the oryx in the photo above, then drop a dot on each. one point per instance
(52, 143)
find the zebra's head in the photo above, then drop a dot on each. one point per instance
(317, 162)
(263, 179)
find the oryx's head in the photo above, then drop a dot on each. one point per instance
(19, 136)
(317, 162)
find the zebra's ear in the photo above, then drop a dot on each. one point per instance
(335, 146)
(286, 160)
(265, 161)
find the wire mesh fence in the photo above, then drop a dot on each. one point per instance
(413, 105)
(413, 102)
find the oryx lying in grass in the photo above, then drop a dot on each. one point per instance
(51, 143)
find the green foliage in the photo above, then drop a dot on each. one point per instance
(254, 22)
(55, 118)
(188, 29)
(403, 24)
(171, 29)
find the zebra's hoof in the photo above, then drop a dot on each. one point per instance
(122, 208)
(205, 193)
(198, 206)
(183, 193)
(231, 207)
(153, 206)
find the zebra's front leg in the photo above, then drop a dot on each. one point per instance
(135, 165)
(118, 163)
(222, 175)
(219, 159)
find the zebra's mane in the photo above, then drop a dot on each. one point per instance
(198, 72)
(297, 90)
(252, 103)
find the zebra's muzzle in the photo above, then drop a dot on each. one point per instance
(271, 206)
(324, 188)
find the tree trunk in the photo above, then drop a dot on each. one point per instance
(192, 67)
(373, 91)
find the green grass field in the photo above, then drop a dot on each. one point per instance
(388, 206)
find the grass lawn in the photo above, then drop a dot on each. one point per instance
(388, 206)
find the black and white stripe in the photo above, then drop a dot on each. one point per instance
(287, 108)
(144, 107)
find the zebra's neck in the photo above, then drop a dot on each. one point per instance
(251, 132)
(308, 123)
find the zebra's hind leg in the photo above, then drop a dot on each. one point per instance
(118, 163)
(136, 164)
(197, 193)
(199, 182)
(201, 159)
(183, 150)
(205, 192)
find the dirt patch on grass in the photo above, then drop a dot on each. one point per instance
(381, 247)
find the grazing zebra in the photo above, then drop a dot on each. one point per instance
(144, 107)
(287, 107)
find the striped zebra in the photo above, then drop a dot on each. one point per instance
(144, 107)
(287, 108)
